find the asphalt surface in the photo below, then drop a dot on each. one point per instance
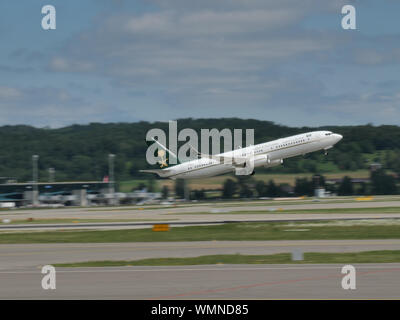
(199, 213)
(20, 265)
(373, 281)
(20, 272)
(17, 256)
(204, 222)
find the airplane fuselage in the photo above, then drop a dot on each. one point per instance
(268, 154)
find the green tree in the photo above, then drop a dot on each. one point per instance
(272, 189)
(303, 187)
(346, 187)
(165, 192)
(151, 184)
(363, 190)
(198, 195)
(318, 181)
(245, 184)
(229, 189)
(141, 186)
(383, 183)
(180, 188)
(79, 152)
(260, 188)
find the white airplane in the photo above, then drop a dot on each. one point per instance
(268, 154)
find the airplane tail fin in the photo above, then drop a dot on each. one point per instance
(162, 153)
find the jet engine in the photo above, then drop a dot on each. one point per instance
(264, 160)
(273, 163)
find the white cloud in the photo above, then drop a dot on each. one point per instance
(221, 58)
(195, 49)
(9, 93)
(372, 56)
(45, 106)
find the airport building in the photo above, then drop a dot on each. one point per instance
(80, 193)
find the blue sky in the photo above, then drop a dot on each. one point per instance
(124, 61)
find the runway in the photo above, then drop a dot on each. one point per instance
(197, 214)
(20, 264)
(17, 256)
(204, 222)
(373, 281)
(20, 272)
(162, 211)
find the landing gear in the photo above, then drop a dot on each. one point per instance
(326, 150)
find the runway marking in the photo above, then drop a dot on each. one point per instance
(201, 292)
(199, 246)
(219, 243)
(234, 219)
(222, 268)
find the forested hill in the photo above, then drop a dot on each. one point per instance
(79, 152)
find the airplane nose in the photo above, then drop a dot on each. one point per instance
(339, 137)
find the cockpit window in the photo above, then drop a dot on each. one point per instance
(328, 133)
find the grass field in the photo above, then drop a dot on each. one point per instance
(296, 211)
(258, 202)
(383, 256)
(217, 182)
(231, 231)
(127, 186)
(77, 220)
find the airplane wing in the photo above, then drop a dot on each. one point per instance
(233, 160)
(160, 172)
